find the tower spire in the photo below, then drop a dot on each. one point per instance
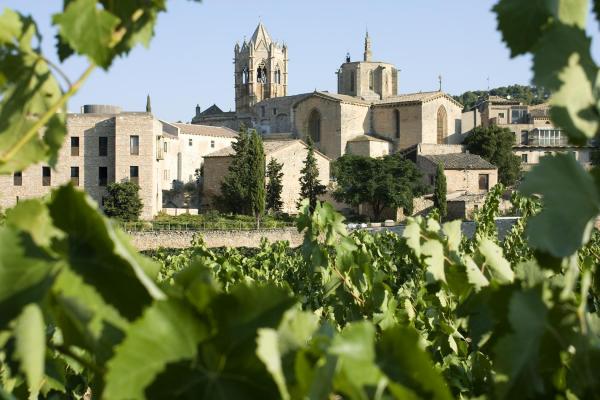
(368, 53)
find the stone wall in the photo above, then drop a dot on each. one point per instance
(330, 111)
(147, 240)
(384, 123)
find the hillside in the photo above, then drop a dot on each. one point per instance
(526, 94)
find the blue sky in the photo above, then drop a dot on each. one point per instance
(190, 59)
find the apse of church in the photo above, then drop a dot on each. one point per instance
(261, 70)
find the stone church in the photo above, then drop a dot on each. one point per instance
(366, 116)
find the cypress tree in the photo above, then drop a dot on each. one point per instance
(274, 186)
(310, 186)
(439, 193)
(256, 176)
(148, 105)
(234, 188)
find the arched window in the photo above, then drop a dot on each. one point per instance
(371, 78)
(442, 125)
(245, 75)
(278, 75)
(397, 123)
(314, 126)
(261, 73)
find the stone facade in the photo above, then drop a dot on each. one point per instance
(115, 146)
(291, 153)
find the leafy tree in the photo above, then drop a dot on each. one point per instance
(234, 188)
(274, 186)
(495, 145)
(256, 175)
(310, 185)
(123, 201)
(525, 94)
(390, 181)
(439, 193)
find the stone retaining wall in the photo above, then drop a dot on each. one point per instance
(147, 240)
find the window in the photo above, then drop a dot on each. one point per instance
(134, 145)
(134, 174)
(524, 158)
(245, 75)
(165, 146)
(274, 111)
(517, 115)
(212, 144)
(278, 76)
(262, 111)
(103, 146)
(501, 115)
(74, 146)
(397, 123)
(371, 78)
(46, 176)
(190, 142)
(18, 178)
(524, 137)
(261, 73)
(484, 182)
(75, 176)
(102, 176)
(314, 126)
(442, 125)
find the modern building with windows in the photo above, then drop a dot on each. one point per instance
(104, 144)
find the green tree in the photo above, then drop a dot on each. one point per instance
(439, 193)
(148, 104)
(310, 185)
(390, 181)
(274, 186)
(256, 176)
(495, 145)
(123, 201)
(234, 188)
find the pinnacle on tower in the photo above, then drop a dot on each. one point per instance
(368, 53)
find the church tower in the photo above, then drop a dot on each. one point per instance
(261, 70)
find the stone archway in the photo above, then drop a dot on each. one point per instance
(314, 125)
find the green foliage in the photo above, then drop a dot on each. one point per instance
(310, 185)
(256, 183)
(524, 94)
(439, 192)
(390, 181)
(122, 201)
(274, 186)
(495, 145)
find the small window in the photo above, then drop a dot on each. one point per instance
(75, 176)
(102, 176)
(134, 174)
(484, 182)
(74, 146)
(190, 142)
(18, 178)
(524, 158)
(165, 147)
(46, 176)
(500, 115)
(274, 111)
(524, 137)
(103, 146)
(212, 144)
(134, 145)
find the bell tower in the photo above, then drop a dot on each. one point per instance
(261, 70)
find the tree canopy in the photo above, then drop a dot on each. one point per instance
(274, 186)
(123, 201)
(495, 145)
(310, 185)
(439, 192)
(390, 181)
(524, 94)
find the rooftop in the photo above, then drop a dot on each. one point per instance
(460, 161)
(205, 130)
(270, 147)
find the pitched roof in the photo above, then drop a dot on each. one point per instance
(261, 34)
(270, 147)
(420, 97)
(214, 109)
(206, 130)
(460, 161)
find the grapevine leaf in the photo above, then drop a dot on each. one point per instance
(101, 254)
(570, 204)
(32, 216)
(521, 23)
(475, 276)
(25, 274)
(597, 10)
(412, 234)
(30, 334)
(433, 251)
(27, 91)
(453, 233)
(268, 352)
(570, 12)
(500, 268)
(88, 29)
(167, 332)
(408, 366)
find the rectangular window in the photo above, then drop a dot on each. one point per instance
(134, 174)
(102, 176)
(190, 142)
(212, 144)
(134, 145)
(165, 146)
(524, 158)
(484, 182)
(18, 178)
(75, 176)
(103, 146)
(524, 137)
(274, 111)
(74, 146)
(500, 115)
(46, 176)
